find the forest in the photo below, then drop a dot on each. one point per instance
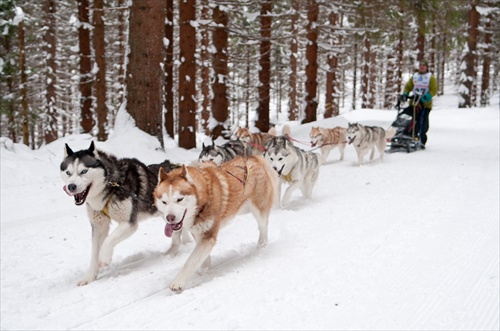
(207, 66)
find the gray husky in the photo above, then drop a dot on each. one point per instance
(111, 188)
(295, 166)
(366, 138)
(226, 152)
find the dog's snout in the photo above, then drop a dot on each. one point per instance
(72, 187)
(170, 218)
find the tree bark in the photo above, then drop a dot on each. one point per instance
(100, 81)
(220, 103)
(205, 68)
(169, 71)
(266, 20)
(144, 73)
(24, 82)
(331, 97)
(365, 81)
(293, 112)
(187, 74)
(50, 41)
(467, 92)
(312, 62)
(86, 120)
(485, 81)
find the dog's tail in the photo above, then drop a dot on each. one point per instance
(389, 133)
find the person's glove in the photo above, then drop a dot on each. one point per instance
(404, 97)
(426, 97)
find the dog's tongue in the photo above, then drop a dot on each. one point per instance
(169, 229)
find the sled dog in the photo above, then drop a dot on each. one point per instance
(328, 139)
(226, 152)
(112, 189)
(256, 140)
(366, 138)
(202, 199)
(295, 166)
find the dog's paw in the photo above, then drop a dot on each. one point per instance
(87, 279)
(105, 258)
(262, 243)
(172, 251)
(176, 286)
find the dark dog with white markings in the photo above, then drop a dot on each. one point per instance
(111, 188)
(226, 152)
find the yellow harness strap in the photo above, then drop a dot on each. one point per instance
(105, 210)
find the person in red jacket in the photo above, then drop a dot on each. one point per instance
(424, 86)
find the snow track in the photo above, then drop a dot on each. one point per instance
(411, 243)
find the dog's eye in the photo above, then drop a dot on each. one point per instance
(164, 202)
(83, 172)
(280, 159)
(68, 173)
(180, 199)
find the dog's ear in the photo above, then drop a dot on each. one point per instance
(185, 174)
(162, 175)
(67, 151)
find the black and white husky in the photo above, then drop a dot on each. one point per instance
(366, 138)
(112, 188)
(226, 152)
(295, 166)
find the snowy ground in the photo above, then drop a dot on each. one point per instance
(409, 244)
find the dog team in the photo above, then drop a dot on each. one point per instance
(197, 200)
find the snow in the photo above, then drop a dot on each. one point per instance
(410, 243)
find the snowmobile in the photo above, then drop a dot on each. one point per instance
(407, 125)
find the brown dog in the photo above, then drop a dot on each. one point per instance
(328, 139)
(203, 199)
(256, 140)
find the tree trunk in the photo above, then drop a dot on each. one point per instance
(469, 74)
(144, 74)
(420, 32)
(24, 82)
(391, 87)
(50, 40)
(485, 82)
(365, 98)
(400, 48)
(187, 74)
(312, 62)
(169, 71)
(220, 103)
(100, 59)
(355, 73)
(265, 66)
(331, 97)
(205, 68)
(293, 112)
(86, 121)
